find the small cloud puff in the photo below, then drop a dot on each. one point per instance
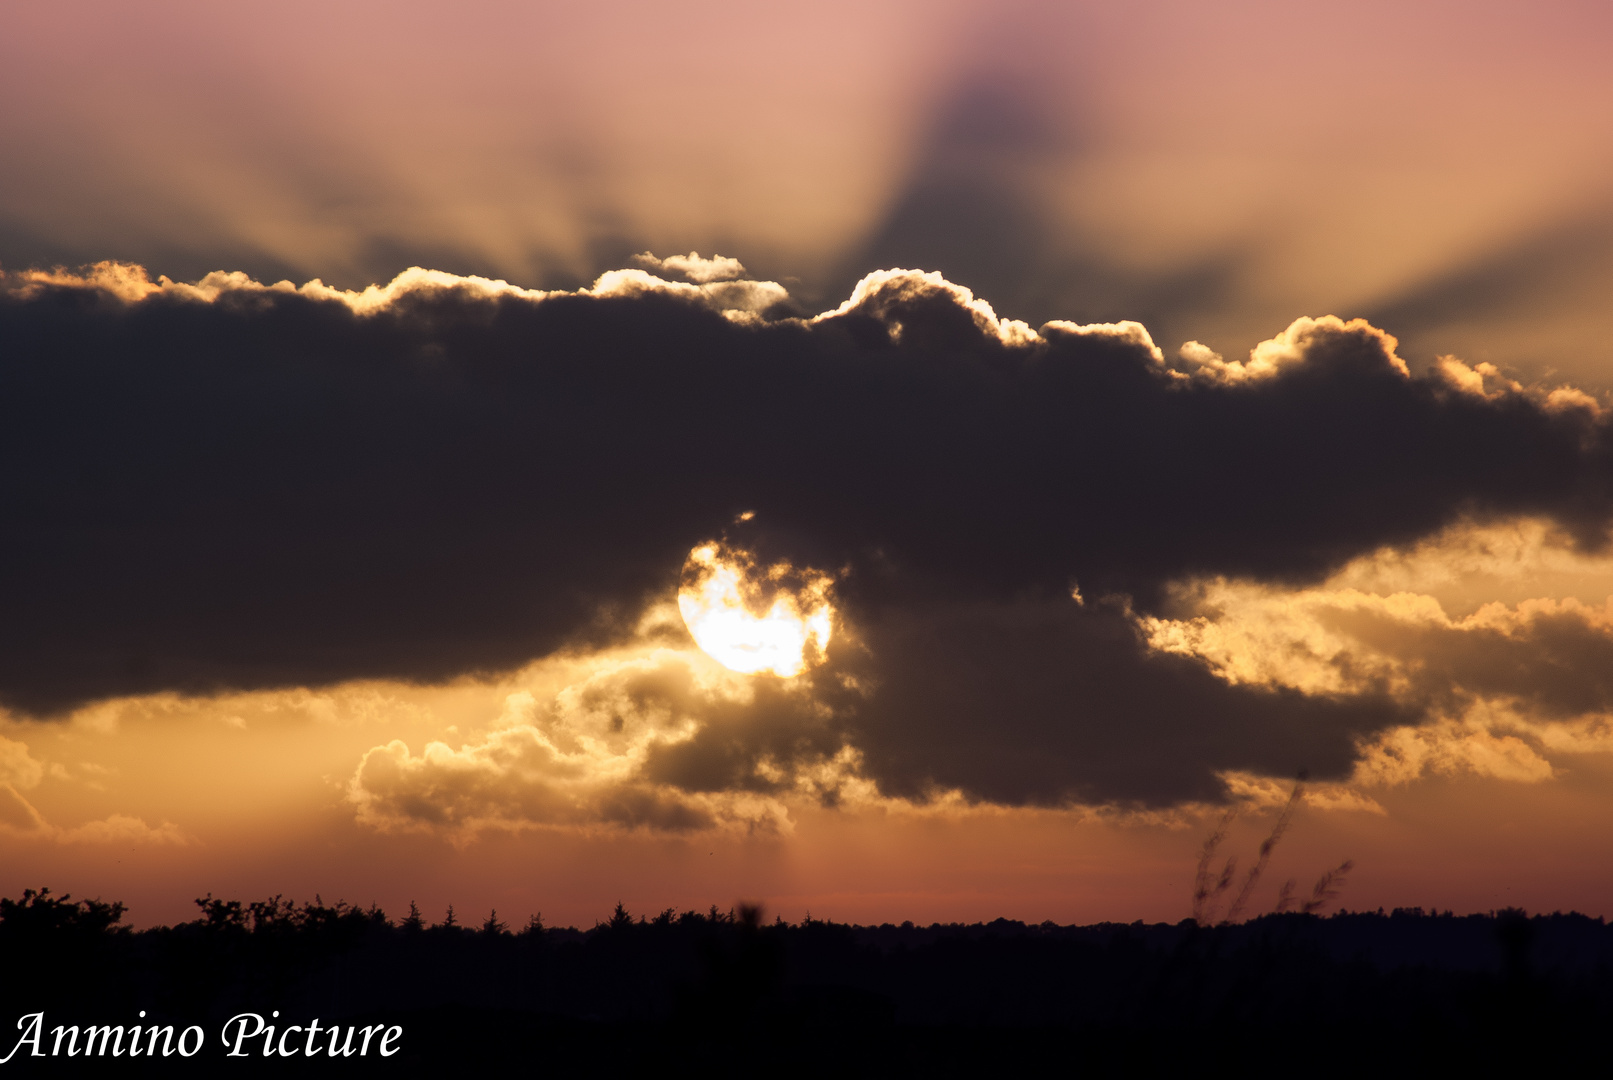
(17, 766)
(906, 298)
(694, 267)
(122, 829)
(1304, 339)
(1486, 381)
(17, 814)
(740, 301)
(19, 818)
(1269, 793)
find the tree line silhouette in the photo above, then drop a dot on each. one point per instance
(725, 989)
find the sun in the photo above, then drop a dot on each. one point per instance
(772, 620)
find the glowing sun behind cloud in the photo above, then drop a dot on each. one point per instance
(772, 620)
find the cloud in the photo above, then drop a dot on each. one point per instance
(17, 814)
(694, 267)
(122, 829)
(132, 284)
(19, 770)
(1271, 793)
(1547, 656)
(1501, 686)
(229, 486)
(1268, 359)
(17, 766)
(1447, 748)
(1551, 656)
(19, 818)
(908, 301)
(582, 756)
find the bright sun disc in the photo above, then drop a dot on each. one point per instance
(721, 602)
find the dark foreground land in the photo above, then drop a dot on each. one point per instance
(723, 993)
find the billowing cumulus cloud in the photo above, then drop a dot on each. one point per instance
(1502, 684)
(233, 486)
(1552, 656)
(580, 756)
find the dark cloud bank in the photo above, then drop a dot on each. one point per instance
(269, 489)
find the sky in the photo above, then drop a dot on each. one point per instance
(883, 460)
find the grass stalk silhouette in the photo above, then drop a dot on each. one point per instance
(1209, 887)
(1285, 896)
(1328, 887)
(1269, 844)
(1205, 896)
